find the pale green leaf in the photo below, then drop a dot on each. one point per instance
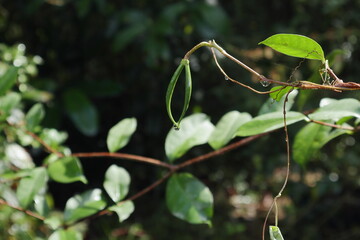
(275, 233)
(195, 130)
(268, 122)
(8, 102)
(81, 111)
(227, 127)
(18, 156)
(66, 170)
(310, 139)
(120, 134)
(117, 181)
(189, 199)
(31, 185)
(34, 116)
(296, 46)
(336, 110)
(276, 103)
(83, 205)
(123, 210)
(8, 80)
(65, 234)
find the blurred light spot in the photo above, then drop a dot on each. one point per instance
(188, 29)
(21, 47)
(334, 177)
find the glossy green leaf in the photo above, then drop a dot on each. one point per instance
(34, 116)
(117, 181)
(227, 127)
(83, 205)
(18, 156)
(195, 130)
(275, 233)
(171, 87)
(81, 111)
(8, 80)
(41, 204)
(123, 210)
(278, 95)
(268, 122)
(120, 134)
(65, 234)
(189, 199)
(310, 139)
(31, 185)
(7, 103)
(54, 222)
(296, 46)
(337, 109)
(66, 170)
(277, 104)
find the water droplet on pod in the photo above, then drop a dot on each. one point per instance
(264, 83)
(226, 78)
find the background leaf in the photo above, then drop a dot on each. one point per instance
(31, 185)
(227, 127)
(189, 199)
(117, 181)
(310, 139)
(120, 134)
(34, 116)
(83, 205)
(65, 234)
(195, 130)
(123, 210)
(296, 46)
(276, 102)
(81, 111)
(337, 109)
(66, 170)
(268, 122)
(8, 80)
(18, 156)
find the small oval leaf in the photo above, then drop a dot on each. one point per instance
(29, 186)
(189, 199)
(123, 210)
(8, 80)
(83, 205)
(18, 156)
(296, 46)
(196, 130)
(34, 116)
(65, 234)
(81, 111)
(120, 134)
(66, 170)
(117, 181)
(227, 128)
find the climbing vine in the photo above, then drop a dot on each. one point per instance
(24, 183)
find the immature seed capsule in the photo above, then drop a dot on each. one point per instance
(171, 87)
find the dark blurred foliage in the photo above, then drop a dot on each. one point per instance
(120, 55)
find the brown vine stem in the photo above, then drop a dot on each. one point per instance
(30, 213)
(288, 160)
(125, 156)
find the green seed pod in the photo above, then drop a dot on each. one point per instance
(171, 87)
